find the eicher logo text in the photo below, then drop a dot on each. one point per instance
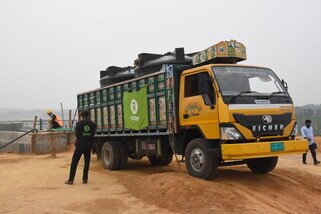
(267, 128)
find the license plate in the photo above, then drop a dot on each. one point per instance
(277, 147)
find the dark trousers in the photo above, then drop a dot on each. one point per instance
(74, 163)
(55, 125)
(313, 153)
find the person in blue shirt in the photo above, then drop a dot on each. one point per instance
(307, 133)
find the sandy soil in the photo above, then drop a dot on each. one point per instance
(35, 184)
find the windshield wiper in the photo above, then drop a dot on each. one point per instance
(277, 92)
(243, 92)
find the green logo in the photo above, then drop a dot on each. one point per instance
(135, 109)
(86, 128)
(134, 106)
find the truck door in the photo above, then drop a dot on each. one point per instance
(198, 104)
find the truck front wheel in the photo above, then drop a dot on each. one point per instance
(110, 155)
(262, 165)
(199, 162)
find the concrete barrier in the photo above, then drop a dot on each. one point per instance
(43, 141)
(23, 145)
(38, 143)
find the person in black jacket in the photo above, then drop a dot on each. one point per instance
(85, 132)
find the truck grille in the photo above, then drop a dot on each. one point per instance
(264, 125)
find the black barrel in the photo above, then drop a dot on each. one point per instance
(114, 74)
(149, 63)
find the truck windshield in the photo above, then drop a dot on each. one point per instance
(241, 81)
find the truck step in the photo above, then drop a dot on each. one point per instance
(232, 163)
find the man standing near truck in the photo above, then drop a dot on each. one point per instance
(307, 133)
(85, 132)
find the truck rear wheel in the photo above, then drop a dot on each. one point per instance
(123, 155)
(262, 165)
(163, 159)
(110, 155)
(198, 161)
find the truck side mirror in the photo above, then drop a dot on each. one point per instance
(285, 84)
(206, 89)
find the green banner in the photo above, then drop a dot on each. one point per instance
(135, 109)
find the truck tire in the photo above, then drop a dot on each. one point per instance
(262, 165)
(198, 161)
(110, 155)
(123, 154)
(163, 159)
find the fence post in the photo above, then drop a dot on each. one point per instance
(70, 118)
(33, 137)
(40, 124)
(62, 114)
(34, 123)
(53, 144)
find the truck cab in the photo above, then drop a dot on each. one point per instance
(241, 113)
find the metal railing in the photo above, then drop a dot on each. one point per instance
(25, 125)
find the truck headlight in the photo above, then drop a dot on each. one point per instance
(230, 133)
(295, 131)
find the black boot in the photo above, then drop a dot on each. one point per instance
(304, 158)
(314, 156)
(69, 182)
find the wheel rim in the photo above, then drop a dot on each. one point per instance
(197, 159)
(107, 156)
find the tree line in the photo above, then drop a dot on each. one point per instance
(312, 112)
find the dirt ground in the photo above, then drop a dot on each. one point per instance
(35, 184)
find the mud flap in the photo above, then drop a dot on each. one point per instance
(214, 152)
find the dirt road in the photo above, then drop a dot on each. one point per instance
(35, 184)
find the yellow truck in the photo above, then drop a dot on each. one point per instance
(203, 106)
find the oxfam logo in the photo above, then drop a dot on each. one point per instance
(86, 128)
(134, 106)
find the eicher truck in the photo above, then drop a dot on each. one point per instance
(203, 106)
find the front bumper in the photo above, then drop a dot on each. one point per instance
(262, 149)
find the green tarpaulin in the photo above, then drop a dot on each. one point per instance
(135, 109)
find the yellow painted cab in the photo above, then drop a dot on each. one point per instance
(234, 114)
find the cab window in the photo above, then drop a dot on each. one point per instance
(200, 84)
(191, 86)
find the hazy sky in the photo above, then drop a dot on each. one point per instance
(52, 50)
